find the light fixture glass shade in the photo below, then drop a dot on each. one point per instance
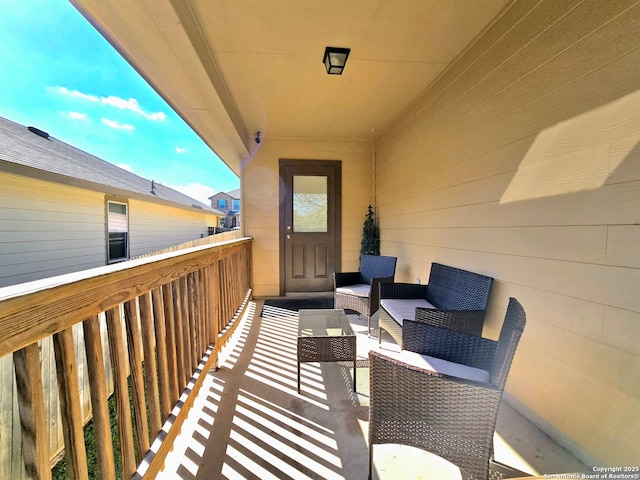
(335, 59)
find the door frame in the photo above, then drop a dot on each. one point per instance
(286, 162)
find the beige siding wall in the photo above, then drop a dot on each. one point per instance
(154, 227)
(523, 163)
(261, 201)
(48, 229)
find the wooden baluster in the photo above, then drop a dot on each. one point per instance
(222, 270)
(186, 323)
(172, 366)
(150, 369)
(202, 312)
(159, 325)
(193, 320)
(99, 398)
(72, 420)
(180, 342)
(137, 378)
(229, 291)
(233, 286)
(208, 310)
(215, 304)
(33, 417)
(118, 358)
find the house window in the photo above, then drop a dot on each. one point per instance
(236, 205)
(222, 203)
(117, 232)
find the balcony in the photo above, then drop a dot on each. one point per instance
(250, 422)
(518, 158)
(161, 319)
(153, 331)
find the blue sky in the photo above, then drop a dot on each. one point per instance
(59, 75)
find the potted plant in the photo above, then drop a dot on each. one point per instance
(370, 244)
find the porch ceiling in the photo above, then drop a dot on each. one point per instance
(231, 68)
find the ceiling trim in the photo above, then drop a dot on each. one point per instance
(193, 30)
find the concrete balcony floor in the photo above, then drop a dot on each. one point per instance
(249, 422)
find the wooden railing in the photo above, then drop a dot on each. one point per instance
(165, 317)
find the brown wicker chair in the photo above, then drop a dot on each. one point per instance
(359, 290)
(454, 298)
(450, 416)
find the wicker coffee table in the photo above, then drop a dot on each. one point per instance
(325, 336)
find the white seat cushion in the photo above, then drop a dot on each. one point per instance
(401, 308)
(359, 289)
(440, 366)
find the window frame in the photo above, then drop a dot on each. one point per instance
(108, 232)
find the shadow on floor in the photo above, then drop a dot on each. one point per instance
(249, 422)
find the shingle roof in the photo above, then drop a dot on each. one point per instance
(235, 194)
(19, 146)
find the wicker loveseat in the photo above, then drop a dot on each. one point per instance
(454, 298)
(441, 393)
(359, 290)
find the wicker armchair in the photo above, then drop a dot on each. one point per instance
(448, 407)
(359, 290)
(454, 298)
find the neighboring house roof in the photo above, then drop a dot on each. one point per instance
(25, 153)
(235, 194)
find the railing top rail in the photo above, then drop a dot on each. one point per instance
(35, 286)
(34, 310)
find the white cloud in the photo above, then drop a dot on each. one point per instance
(77, 94)
(180, 150)
(157, 116)
(77, 115)
(116, 125)
(131, 104)
(124, 166)
(195, 190)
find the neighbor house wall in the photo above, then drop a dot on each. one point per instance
(153, 226)
(260, 186)
(523, 163)
(49, 229)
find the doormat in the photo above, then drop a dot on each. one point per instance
(272, 305)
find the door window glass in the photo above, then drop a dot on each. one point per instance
(310, 204)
